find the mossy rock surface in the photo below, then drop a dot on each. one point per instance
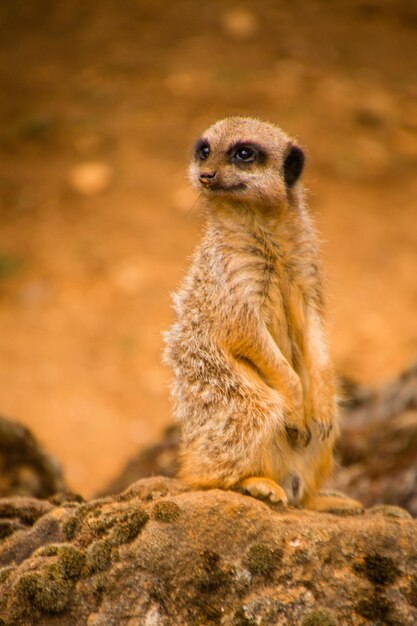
(162, 555)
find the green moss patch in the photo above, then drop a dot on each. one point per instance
(47, 589)
(72, 560)
(70, 527)
(128, 527)
(49, 550)
(321, 617)
(412, 591)
(5, 573)
(262, 560)
(166, 511)
(98, 556)
(389, 510)
(69, 557)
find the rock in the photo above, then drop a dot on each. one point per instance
(26, 469)
(379, 462)
(90, 178)
(378, 447)
(160, 554)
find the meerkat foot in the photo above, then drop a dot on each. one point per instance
(262, 487)
(332, 502)
(325, 427)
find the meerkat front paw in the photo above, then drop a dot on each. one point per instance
(321, 409)
(298, 436)
(296, 428)
(262, 487)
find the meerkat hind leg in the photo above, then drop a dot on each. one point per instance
(263, 487)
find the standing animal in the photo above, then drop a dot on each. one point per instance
(253, 384)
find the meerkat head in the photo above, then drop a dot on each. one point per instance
(240, 158)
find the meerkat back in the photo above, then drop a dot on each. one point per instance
(252, 381)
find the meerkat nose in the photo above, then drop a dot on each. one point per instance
(207, 177)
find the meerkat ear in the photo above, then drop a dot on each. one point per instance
(293, 164)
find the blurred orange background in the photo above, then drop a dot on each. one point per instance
(99, 105)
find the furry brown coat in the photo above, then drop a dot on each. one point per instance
(253, 384)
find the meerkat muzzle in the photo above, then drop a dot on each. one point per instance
(207, 178)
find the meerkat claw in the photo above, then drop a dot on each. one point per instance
(324, 429)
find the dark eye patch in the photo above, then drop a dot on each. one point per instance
(202, 149)
(246, 152)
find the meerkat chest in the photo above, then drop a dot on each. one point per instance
(283, 309)
(266, 274)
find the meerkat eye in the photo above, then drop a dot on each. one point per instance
(245, 154)
(242, 153)
(202, 150)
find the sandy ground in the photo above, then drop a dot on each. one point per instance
(90, 254)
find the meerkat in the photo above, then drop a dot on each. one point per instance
(253, 386)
